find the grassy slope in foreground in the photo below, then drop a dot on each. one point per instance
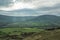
(23, 34)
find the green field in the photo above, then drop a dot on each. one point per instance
(17, 31)
(29, 34)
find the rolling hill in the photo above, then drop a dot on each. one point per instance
(4, 20)
(47, 18)
(44, 21)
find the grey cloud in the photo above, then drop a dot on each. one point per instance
(54, 7)
(53, 10)
(5, 2)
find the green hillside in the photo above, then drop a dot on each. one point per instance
(30, 24)
(44, 21)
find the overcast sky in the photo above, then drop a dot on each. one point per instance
(29, 7)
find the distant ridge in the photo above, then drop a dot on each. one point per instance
(4, 18)
(30, 20)
(45, 18)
